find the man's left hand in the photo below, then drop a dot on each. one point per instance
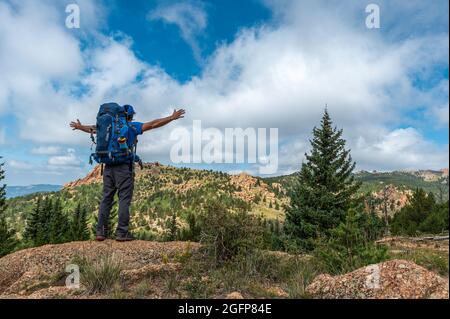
(178, 114)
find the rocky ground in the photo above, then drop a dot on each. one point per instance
(40, 272)
(162, 270)
(394, 279)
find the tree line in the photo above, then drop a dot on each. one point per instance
(48, 224)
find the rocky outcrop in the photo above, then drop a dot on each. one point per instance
(249, 187)
(94, 176)
(392, 199)
(394, 279)
(29, 271)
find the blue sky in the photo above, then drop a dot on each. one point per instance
(255, 63)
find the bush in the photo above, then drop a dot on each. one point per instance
(194, 229)
(101, 275)
(349, 246)
(226, 234)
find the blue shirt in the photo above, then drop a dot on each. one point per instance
(133, 132)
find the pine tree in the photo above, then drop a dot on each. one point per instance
(172, 227)
(409, 218)
(43, 224)
(79, 227)
(7, 236)
(32, 222)
(349, 245)
(324, 188)
(58, 224)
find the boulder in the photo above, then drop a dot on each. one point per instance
(394, 279)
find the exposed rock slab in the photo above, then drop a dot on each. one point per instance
(394, 279)
(35, 267)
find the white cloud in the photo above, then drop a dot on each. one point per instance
(189, 17)
(278, 75)
(2, 136)
(67, 160)
(21, 165)
(46, 150)
(400, 149)
(440, 114)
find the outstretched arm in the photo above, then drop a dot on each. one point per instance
(85, 128)
(161, 122)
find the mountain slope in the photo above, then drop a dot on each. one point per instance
(429, 180)
(159, 193)
(162, 191)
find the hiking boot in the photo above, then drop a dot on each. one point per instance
(127, 237)
(100, 238)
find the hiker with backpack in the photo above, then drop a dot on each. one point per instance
(116, 141)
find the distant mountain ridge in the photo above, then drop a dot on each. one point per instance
(16, 191)
(429, 180)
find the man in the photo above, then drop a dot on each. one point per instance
(119, 178)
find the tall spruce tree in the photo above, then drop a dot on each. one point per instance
(324, 189)
(7, 236)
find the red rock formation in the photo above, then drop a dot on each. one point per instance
(94, 176)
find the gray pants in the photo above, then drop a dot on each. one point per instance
(117, 178)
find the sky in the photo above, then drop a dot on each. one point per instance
(230, 64)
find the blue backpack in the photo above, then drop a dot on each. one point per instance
(112, 145)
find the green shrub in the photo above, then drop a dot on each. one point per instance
(193, 231)
(226, 234)
(101, 275)
(349, 247)
(143, 289)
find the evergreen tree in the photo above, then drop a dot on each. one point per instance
(437, 221)
(58, 224)
(193, 232)
(349, 245)
(43, 224)
(172, 227)
(79, 227)
(324, 189)
(7, 237)
(409, 219)
(32, 223)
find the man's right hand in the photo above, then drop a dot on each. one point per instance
(85, 128)
(76, 125)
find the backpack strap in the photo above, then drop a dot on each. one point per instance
(139, 161)
(135, 150)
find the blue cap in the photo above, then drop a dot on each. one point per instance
(129, 109)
